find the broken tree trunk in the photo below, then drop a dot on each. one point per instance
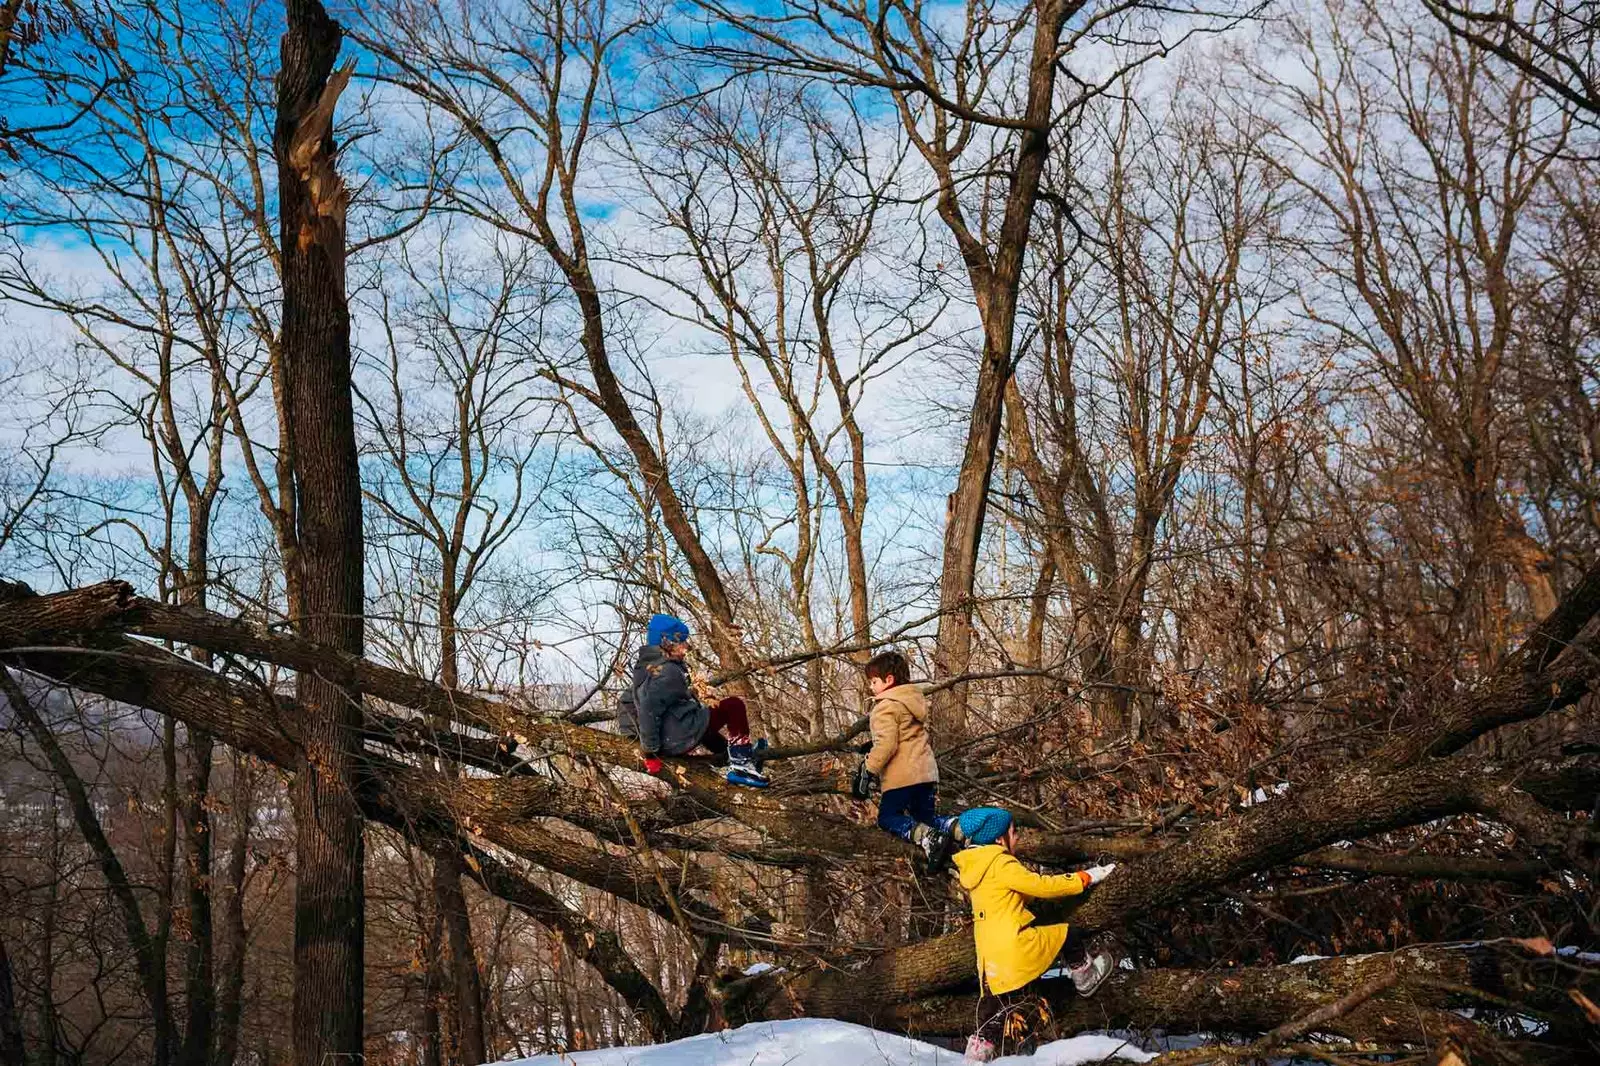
(327, 606)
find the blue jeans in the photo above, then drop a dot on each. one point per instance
(900, 810)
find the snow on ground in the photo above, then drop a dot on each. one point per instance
(820, 1042)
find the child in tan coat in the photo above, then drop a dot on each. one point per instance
(902, 761)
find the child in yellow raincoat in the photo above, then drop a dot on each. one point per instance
(1013, 952)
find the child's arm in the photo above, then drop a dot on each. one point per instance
(885, 738)
(666, 688)
(1019, 878)
(647, 719)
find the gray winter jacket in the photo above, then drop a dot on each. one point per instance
(658, 707)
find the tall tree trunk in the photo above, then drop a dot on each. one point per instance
(200, 989)
(461, 962)
(230, 984)
(433, 983)
(199, 964)
(166, 878)
(47, 946)
(11, 1049)
(465, 983)
(995, 282)
(329, 846)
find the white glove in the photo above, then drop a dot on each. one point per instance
(1096, 874)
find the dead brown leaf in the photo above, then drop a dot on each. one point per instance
(1586, 1005)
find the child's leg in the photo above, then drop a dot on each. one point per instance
(1074, 950)
(729, 717)
(925, 809)
(893, 812)
(1013, 1022)
(717, 745)
(728, 735)
(923, 799)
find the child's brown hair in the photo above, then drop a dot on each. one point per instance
(890, 664)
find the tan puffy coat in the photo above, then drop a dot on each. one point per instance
(902, 753)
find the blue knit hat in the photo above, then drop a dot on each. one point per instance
(666, 627)
(984, 825)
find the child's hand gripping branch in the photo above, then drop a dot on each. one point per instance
(1013, 952)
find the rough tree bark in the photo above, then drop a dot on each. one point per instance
(230, 984)
(200, 961)
(468, 1044)
(315, 339)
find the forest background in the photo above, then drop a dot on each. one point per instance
(1203, 395)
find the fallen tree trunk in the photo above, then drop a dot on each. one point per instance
(1351, 805)
(73, 612)
(1430, 984)
(267, 726)
(401, 797)
(1348, 804)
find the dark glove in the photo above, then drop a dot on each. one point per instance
(652, 765)
(863, 783)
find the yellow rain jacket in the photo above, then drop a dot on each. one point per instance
(1011, 950)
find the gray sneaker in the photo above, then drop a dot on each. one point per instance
(935, 845)
(1093, 973)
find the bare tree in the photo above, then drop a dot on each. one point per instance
(1138, 296)
(1551, 42)
(788, 258)
(1218, 487)
(165, 324)
(1423, 228)
(453, 410)
(525, 90)
(975, 129)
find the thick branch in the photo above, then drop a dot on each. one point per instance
(697, 782)
(1552, 669)
(1350, 805)
(1430, 983)
(256, 721)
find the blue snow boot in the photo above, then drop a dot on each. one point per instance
(742, 767)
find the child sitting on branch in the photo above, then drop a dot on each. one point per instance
(901, 759)
(1013, 952)
(660, 708)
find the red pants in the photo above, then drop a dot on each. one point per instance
(728, 716)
